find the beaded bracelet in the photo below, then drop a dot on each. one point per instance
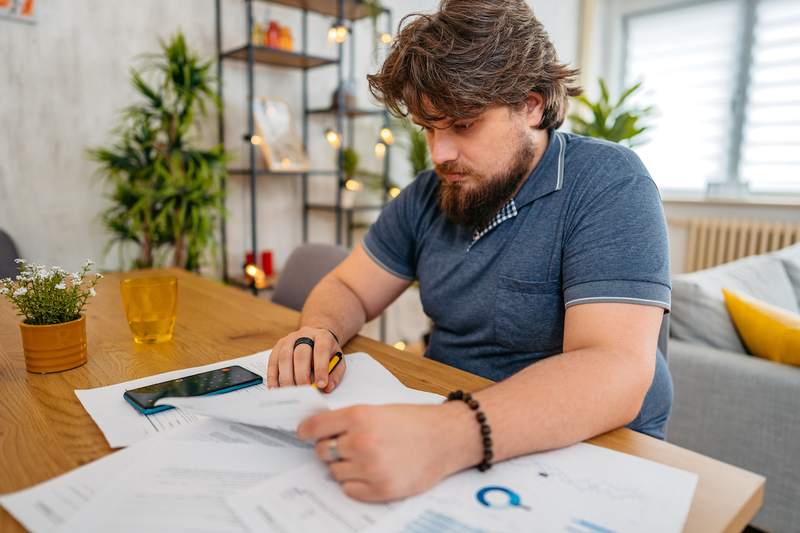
(486, 431)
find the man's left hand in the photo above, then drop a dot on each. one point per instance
(385, 452)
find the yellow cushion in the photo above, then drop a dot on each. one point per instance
(766, 330)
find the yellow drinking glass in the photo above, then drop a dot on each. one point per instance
(150, 304)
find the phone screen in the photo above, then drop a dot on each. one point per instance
(213, 381)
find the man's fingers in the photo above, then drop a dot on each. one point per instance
(336, 376)
(302, 364)
(286, 365)
(359, 490)
(327, 424)
(272, 367)
(343, 471)
(334, 449)
(324, 348)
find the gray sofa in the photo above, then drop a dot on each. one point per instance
(729, 405)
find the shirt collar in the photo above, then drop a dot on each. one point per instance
(548, 176)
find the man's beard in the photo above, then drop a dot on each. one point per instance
(476, 205)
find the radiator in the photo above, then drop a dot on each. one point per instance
(712, 242)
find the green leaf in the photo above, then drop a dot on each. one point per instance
(618, 122)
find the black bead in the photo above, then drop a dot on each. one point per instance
(467, 397)
(483, 467)
(485, 430)
(487, 442)
(487, 455)
(473, 404)
(480, 417)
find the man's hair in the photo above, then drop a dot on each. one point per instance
(468, 56)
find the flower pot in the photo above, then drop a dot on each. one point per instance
(54, 348)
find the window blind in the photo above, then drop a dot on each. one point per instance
(770, 159)
(687, 61)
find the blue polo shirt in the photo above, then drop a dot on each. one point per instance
(586, 226)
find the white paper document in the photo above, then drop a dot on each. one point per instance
(49, 505)
(305, 499)
(280, 409)
(122, 425)
(182, 488)
(365, 381)
(580, 489)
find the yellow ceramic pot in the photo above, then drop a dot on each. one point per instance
(56, 347)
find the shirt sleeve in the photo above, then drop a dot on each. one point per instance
(392, 241)
(616, 247)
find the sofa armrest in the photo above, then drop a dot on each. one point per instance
(745, 411)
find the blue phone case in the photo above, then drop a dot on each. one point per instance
(158, 409)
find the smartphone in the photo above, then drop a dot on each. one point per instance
(217, 381)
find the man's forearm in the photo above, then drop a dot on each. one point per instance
(334, 306)
(551, 404)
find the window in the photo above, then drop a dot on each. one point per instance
(724, 76)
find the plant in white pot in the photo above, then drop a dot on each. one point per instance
(51, 302)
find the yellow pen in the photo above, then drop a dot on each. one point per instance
(332, 364)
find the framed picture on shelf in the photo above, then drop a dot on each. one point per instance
(22, 10)
(277, 136)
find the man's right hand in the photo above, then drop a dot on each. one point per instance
(292, 366)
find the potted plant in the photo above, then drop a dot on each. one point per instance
(166, 192)
(51, 302)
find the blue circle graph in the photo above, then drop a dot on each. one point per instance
(513, 498)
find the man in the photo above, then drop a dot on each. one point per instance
(541, 258)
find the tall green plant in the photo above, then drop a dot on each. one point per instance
(617, 121)
(165, 191)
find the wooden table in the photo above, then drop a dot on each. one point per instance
(44, 431)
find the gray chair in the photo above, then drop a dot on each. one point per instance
(306, 266)
(8, 252)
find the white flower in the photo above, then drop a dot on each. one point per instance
(61, 286)
(21, 291)
(99, 275)
(19, 261)
(4, 290)
(89, 262)
(92, 292)
(76, 277)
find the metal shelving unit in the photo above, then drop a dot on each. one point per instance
(341, 11)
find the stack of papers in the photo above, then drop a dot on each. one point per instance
(232, 462)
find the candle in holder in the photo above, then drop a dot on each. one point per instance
(266, 262)
(250, 259)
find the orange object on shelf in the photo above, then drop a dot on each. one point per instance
(286, 40)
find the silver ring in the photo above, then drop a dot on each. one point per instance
(333, 450)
